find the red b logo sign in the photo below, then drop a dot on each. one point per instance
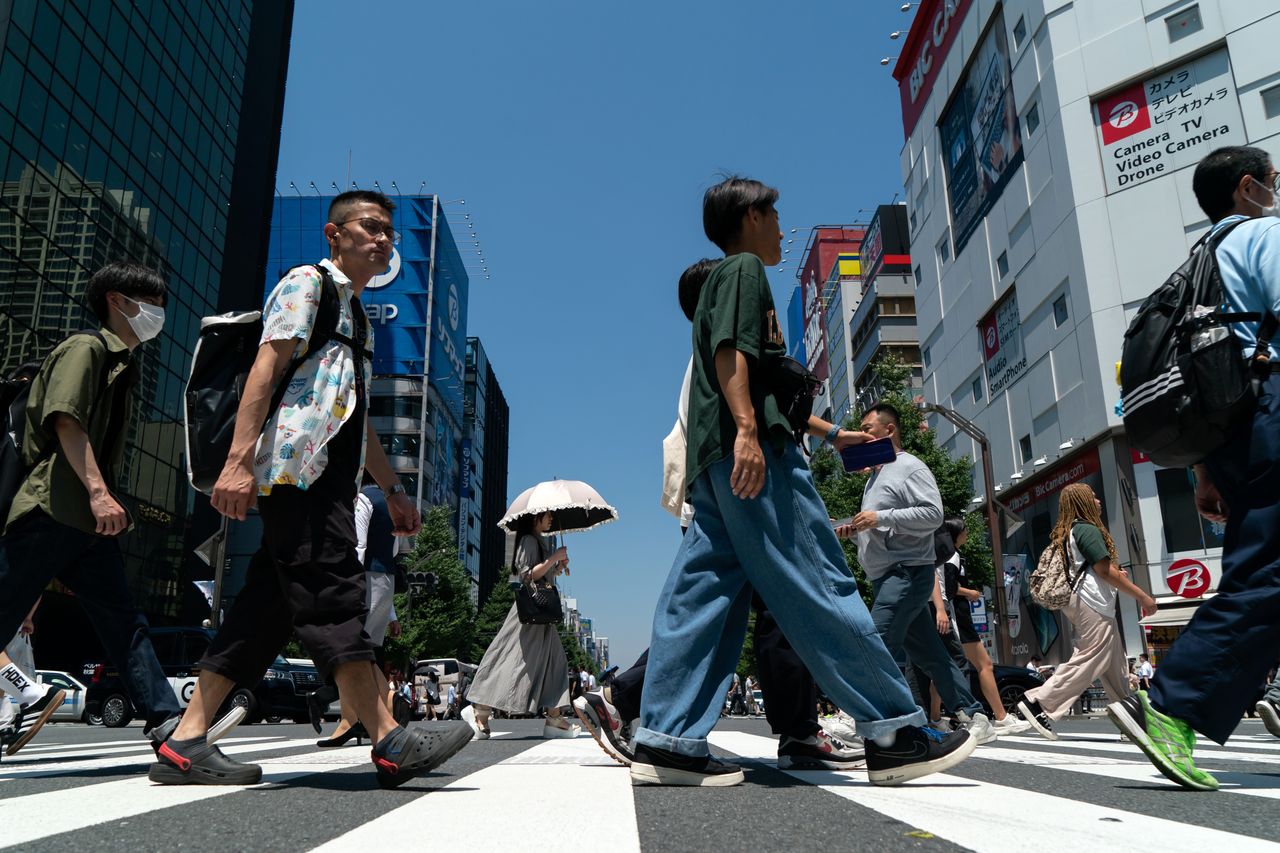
(1187, 578)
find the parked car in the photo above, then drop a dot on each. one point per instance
(72, 709)
(281, 692)
(1011, 681)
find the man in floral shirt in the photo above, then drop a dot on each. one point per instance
(303, 469)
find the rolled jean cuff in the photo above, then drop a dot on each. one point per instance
(879, 728)
(692, 747)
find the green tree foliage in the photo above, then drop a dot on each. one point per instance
(438, 625)
(574, 651)
(842, 492)
(747, 660)
(490, 620)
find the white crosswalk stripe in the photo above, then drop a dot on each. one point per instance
(555, 780)
(960, 810)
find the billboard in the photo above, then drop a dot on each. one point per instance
(886, 246)
(1168, 121)
(981, 144)
(1002, 352)
(933, 31)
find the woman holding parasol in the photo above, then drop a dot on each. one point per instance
(525, 670)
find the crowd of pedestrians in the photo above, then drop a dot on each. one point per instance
(756, 536)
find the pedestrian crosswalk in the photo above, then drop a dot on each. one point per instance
(1088, 791)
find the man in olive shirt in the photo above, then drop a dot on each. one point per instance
(64, 519)
(759, 523)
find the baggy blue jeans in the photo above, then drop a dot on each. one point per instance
(901, 614)
(782, 544)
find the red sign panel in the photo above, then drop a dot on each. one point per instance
(1187, 578)
(1064, 475)
(932, 33)
(1124, 114)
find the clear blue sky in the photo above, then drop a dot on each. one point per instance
(582, 137)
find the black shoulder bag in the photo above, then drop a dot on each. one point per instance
(538, 602)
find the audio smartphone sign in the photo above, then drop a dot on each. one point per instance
(1168, 122)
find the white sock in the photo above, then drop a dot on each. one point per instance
(17, 684)
(886, 741)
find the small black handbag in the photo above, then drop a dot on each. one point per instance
(794, 387)
(538, 603)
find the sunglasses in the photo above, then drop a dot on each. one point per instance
(374, 227)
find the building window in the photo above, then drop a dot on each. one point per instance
(944, 247)
(916, 273)
(1002, 264)
(1033, 117)
(924, 355)
(1060, 310)
(1271, 101)
(1024, 445)
(1019, 32)
(913, 220)
(1185, 23)
(1184, 528)
(977, 389)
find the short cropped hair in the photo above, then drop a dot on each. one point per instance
(343, 202)
(887, 412)
(1219, 173)
(127, 278)
(724, 205)
(691, 281)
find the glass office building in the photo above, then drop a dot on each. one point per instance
(148, 131)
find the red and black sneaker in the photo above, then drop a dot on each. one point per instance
(196, 762)
(406, 753)
(605, 725)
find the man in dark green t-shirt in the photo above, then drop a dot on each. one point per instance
(759, 522)
(65, 519)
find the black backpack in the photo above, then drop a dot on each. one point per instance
(13, 401)
(226, 349)
(1183, 382)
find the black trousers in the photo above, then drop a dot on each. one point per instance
(305, 577)
(790, 694)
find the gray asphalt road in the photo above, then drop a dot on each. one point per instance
(77, 787)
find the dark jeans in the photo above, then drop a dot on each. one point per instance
(901, 615)
(1212, 672)
(954, 648)
(38, 549)
(790, 695)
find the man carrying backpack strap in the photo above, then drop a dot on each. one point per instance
(303, 470)
(1211, 674)
(64, 520)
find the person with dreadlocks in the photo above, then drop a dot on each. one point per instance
(1096, 576)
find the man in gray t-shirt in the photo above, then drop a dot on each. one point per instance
(901, 511)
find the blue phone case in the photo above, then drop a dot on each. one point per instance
(860, 456)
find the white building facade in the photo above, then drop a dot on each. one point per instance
(1047, 170)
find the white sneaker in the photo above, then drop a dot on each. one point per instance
(550, 732)
(469, 717)
(1010, 725)
(841, 727)
(979, 727)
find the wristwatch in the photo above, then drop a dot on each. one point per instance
(397, 489)
(833, 433)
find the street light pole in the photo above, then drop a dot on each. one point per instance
(1003, 617)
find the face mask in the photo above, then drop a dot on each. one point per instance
(1274, 208)
(148, 322)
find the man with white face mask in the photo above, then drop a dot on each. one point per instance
(1210, 676)
(65, 520)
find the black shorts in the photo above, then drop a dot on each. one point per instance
(305, 578)
(964, 622)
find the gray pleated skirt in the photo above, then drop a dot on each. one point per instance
(523, 671)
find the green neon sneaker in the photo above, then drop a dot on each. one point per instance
(1166, 740)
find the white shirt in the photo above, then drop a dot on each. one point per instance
(1094, 592)
(682, 418)
(1145, 669)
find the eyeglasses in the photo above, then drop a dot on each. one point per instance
(374, 227)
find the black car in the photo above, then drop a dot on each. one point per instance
(1012, 682)
(280, 694)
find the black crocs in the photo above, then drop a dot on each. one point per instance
(200, 763)
(406, 753)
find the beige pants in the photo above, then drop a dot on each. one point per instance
(1098, 653)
